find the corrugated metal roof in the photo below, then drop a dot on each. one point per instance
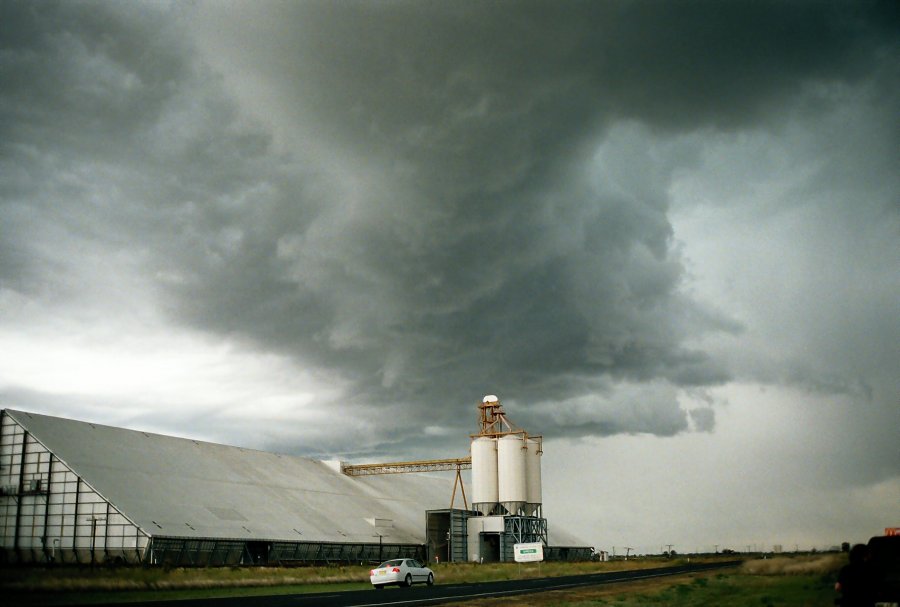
(180, 487)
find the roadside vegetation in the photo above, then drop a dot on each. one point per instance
(778, 582)
(72, 585)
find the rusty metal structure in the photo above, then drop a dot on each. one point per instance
(493, 422)
(457, 464)
(428, 465)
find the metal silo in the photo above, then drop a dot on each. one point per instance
(484, 474)
(512, 488)
(533, 450)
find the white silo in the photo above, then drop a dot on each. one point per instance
(484, 474)
(533, 475)
(512, 489)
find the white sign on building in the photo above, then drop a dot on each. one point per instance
(527, 553)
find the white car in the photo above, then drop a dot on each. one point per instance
(403, 572)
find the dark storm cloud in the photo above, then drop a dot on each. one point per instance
(500, 244)
(407, 76)
(456, 214)
(114, 136)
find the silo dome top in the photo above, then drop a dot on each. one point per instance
(490, 398)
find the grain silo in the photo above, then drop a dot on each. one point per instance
(512, 479)
(484, 474)
(533, 451)
(506, 478)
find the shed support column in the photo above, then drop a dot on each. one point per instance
(106, 536)
(19, 497)
(75, 519)
(47, 555)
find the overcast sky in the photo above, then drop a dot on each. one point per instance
(666, 234)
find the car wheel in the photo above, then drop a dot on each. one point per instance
(408, 580)
(430, 581)
(379, 587)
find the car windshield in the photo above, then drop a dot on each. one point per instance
(395, 563)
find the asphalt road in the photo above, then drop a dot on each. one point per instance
(437, 594)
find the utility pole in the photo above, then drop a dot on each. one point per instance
(382, 527)
(627, 550)
(669, 546)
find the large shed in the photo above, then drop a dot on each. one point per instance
(72, 491)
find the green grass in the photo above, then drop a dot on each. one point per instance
(99, 597)
(77, 579)
(763, 585)
(72, 585)
(737, 590)
(783, 582)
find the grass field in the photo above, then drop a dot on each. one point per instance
(72, 580)
(807, 582)
(783, 581)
